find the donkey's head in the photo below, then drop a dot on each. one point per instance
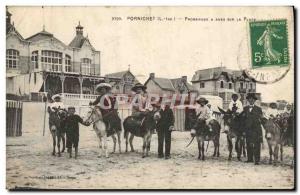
(93, 115)
(228, 117)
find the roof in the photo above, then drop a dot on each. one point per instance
(176, 82)
(170, 84)
(43, 35)
(40, 36)
(164, 83)
(215, 73)
(120, 75)
(79, 40)
(117, 74)
(208, 74)
(10, 29)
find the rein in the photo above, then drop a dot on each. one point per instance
(93, 122)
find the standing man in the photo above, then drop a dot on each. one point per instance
(253, 115)
(165, 126)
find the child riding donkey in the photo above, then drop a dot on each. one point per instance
(57, 114)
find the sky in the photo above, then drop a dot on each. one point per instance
(170, 48)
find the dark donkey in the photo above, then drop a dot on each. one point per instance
(277, 134)
(202, 133)
(233, 129)
(56, 119)
(141, 128)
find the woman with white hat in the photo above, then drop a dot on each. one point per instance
(106, 103)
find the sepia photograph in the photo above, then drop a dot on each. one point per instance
(150, 98)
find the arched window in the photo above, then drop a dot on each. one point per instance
(86, 66)
(241, 85)
(52, 60)
(230, 85)
(68, 67)
(34, 59)
(12, 58)
(222, 84)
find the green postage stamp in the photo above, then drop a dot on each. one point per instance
(269, 43)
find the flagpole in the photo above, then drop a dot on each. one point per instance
(45, 99)
(44, 126)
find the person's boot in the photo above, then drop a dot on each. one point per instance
(76, 153)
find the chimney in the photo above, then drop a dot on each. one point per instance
(184, 79)
(152, 75)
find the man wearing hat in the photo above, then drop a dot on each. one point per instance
(106, 104)
(235, 105)
(165, 126)
(252, 121)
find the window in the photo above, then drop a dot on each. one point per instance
(34, 59)
(68, 64)
(202, 85)
(12, 58)
(241, 85)
(34, 78)
(52, 60)
(86, 66)
(251, 86)
(230, 85)
(222, 84)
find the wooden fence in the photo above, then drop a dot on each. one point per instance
(14, 118)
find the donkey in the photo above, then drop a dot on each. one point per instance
(95, 117)
(202, 133)
(144, 129)
(233, 129)
(56, 129)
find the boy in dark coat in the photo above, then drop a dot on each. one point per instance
(164, 130)
(252, 116)
(72, 130)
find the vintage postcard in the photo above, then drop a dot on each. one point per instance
(166, 98)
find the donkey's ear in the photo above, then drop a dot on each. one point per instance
(221, 110)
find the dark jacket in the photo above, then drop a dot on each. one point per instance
(108, 103)
(71, 124)
(252, 122)
(167, 119)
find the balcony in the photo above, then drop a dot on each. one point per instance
(71, 69)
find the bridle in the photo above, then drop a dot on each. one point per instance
(93, 111)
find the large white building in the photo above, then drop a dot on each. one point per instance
(43, 63)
